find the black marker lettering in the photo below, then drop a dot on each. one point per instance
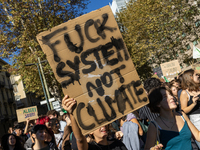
(98, 89)
(117, 71)
(119, 45)
(72, 47)
(45, 40)
(104, 80)
(100, 29)
(91, 112)
(61, 73)
(109, 102)
(89, 23)
(139, 92)
(78, 112)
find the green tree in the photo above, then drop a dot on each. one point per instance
(158, 31)
(20, 22)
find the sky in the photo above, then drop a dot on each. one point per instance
(96, 4)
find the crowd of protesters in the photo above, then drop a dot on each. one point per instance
(170, 121)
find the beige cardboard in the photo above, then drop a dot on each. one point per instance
(170, 68)
(108, 91)
(25, 113)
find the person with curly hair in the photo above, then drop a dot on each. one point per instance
(11, 142)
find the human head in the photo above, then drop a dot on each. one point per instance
(159, 96)
(100, 134)
(188, 81)
(176, 82)
(52, 114)
(55, 125)
(18, 129)
(174, 90)
(40, 132)
(151, 83)
(10, 130)
(44, 120)
(11, 140)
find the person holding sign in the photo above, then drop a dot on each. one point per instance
(99, 135)
(171, 129)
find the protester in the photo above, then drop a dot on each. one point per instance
(145, 112)
(54, 114)
(100, 135)
(44, 120)
(190, 96)
(11, 142)
(173, 130)
(10, 130)
(55, 126)
(19, 132)
(40, 136)
(130, 128)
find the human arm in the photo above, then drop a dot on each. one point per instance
(26, 127)
(69, 105)
(184, 102)
(140, 131)
(66, 137)
(195, 132)
(151, 138)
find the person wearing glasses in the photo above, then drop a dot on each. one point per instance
(55, 126)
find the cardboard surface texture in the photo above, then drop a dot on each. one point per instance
(170, 68)
(25, 113)
(90, 60)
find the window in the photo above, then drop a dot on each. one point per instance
(182, 51)
(183, 35)
(188, 46)
(195, 42)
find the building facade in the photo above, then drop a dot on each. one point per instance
(7, 101)
(117, 5)
(25, 99)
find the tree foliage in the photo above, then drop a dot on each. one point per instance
(21, 21)
(158, 31)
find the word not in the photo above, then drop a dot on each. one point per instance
(29, 110)
(29, 115)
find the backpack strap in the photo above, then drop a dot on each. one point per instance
(157, 134)
(70, 137)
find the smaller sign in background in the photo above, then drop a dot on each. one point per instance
(25, 113)
(170, 68)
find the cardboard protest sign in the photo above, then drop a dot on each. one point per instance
(170, 68)
(25, 113)
(90, 60)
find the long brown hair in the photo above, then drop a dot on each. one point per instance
(188, 82)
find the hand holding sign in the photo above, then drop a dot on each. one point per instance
(69, 104)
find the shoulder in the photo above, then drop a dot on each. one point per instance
(184, 92)
(62, 122)
(117, 144)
